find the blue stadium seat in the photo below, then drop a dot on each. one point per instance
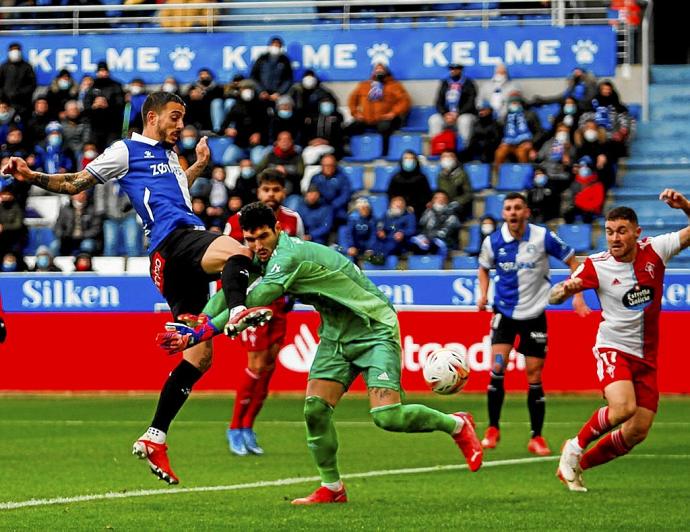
(418, 119)
(475, 240)
(382, 177)
(431, 172)
(515, 176)
(379, 204)
(400, 143)
(390, 264)
(425, 262)
(479, 174)
(365, 147)
(579, 236)
(463, 262)
(635, 110)
(38, 236)
(218, 145)
(493, 206)
(355, 175)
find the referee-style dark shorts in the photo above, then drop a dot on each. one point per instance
(176, 269)
(532, 333)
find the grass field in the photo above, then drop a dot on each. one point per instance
(71, 446)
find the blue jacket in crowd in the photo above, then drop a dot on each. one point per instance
(318, 220)
(391, 224)
(360, 232)
(335, 191)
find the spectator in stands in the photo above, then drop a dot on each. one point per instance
(272, 72)
(334, 187)
(218, 197)
(17, 81)
(543, 199)
(394, 230)
(323, 132)
(610, 114)
(487, 225)
(85, 86)
(83, 262)
(486, 136)
(497, 90)
(106, 122)
(588, 193)
(569, 115)
(455, 103)
(317, 216)
(12, 230)
(556, 158)
(89, 153)
(581, 85)
(136, 95)
(62, 89)
(199, 205)
(231, 90)
(52, 157)
(439, 228)
(246, 184)
(411, 183)
(359, 235)
(37, 122)
(14, 145)
(78, 227)
(308, 94)
(121, 229)
(13, 261)
(199, 100)
(246, 122)
(284, 118)
(45, 261)
(189, 137)
(380, 104)
(522, 134)
(284, 158)
(76, 130)
(453, 180)
(170, 85)
(8, 117)
(111, 90)
(590, 141)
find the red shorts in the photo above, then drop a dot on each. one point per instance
(614, 365)
(262, 338)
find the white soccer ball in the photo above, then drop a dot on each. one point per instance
(446, 371)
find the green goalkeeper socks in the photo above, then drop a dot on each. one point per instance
(322, 439)
(412, 418)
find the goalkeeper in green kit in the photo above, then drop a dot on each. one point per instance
(359, 333)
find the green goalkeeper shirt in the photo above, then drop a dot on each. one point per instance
(350, 305)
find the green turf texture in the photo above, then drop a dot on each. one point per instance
(64, 446)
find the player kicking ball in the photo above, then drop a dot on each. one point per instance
(359, 333)
(629, 280)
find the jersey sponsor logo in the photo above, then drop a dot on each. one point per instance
(531, 249)
(649, 268)
(511, 266)
(502, 252)
(538, 336)
(68, 294)
(638, 297)
(299, 355)
(157, 268)
(383, 377)
(149, 155)
(160, 169)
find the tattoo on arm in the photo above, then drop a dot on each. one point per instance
(65, 183)
(381, 393)
(194, 171)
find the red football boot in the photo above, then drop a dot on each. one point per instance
(156, 455)
(538, 446)
(323, 495)
(491, 437)
(468, 442)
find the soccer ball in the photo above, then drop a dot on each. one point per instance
(446, 371)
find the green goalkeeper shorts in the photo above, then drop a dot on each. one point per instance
(376, 356)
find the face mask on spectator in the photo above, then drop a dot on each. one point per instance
(4, 116)
(90, 154)
(14, 56)
(499, 78)
(584, 171)
(408, 164)
(562, 136)
(326, 108)
(540, 180)
(309, 82)
(514, 108)
(42, 261)
(54, 140)
(591, 135)
(247, 172)
(9, 265)
(487, 228)
(395, 211)
(136, 89)
(63, 84)
(284, 113)
(447, 163)
(568, 120)
(569, 108)
(438, 207)
(188, 142)
(169, 87)
(247, 95)
(381, 76)
(205, 82)
(274, 50)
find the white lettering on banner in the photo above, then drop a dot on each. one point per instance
(39, 59)
(522, 54)
(463, 52)
(87, 64)
(147, 58)
(123, 61)
(320, 58)
(398, 294)
(433, 54)
(485, 58)
(232, 58)
(64, 59)
(547, 52)
(342, 56)
(58, 294)
(676, 294)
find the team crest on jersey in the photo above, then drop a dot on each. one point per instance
(501, 252)
(531, 249)
(649, 268)
(149, 155)
(638, 297)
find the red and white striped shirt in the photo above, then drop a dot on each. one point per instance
(630, 295)
(290, 221)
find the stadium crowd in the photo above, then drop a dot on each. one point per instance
(423, 197)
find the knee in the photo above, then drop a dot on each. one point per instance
(316, 411)
(388, 417)
(620, 412)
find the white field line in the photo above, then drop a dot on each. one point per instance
(13, 505)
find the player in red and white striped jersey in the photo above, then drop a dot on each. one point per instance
(628, 279)
(262, 344)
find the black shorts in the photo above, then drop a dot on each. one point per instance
(176, 269)
(532, 333)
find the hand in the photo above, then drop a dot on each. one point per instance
(17, 168)
(601, 161)
(352, 251)
(231, 132)
(450, 116)
(359, 117)
(280, 168)
(203, 153)
(263, 95)
(580, 307)
(481, 302)
(255, 139)
(398, 236)
(274, 97)
(563, 290)
(674, 199)
(388, 116)
(380, 234)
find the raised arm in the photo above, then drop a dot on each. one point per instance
(203, 154)
(676, 200)
(61, 183)
(579, 305)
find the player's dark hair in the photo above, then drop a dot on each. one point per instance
(156, 101)
(271, 175)
(256, 215)
(515, 195)
(622, 213)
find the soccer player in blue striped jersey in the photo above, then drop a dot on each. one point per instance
(519, 252)
(184, 256)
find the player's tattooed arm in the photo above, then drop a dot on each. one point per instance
(203, 155)
(64, 183)
(563, 290)
(676, 200)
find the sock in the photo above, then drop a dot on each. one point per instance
(597, 425)
(174, 393)
(243, 398)
(536, 404)
(495, 394)
(609, 447)
(413, 418)
(333, 486)
(257, 399)
(235, 280)
(154, 435)
(322, 439)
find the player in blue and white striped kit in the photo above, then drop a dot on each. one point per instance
(184, 257)
(519, 253)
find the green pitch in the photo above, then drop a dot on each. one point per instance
(71, 446)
